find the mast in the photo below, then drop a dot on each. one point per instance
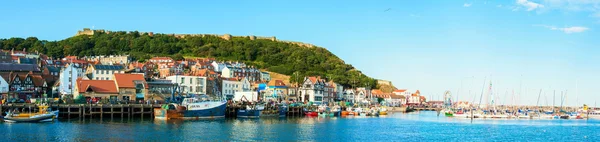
(481, 96)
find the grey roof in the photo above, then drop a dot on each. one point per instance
(27, 61)
(18, 67)
(108, 67)
(53, 69)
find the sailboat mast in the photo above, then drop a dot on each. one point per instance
(481, 96)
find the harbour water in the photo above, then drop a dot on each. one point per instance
(418, 126)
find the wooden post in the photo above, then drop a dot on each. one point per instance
(111, 111)
(69, 112)
(101, 111)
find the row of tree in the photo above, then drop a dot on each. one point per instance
(280, 57)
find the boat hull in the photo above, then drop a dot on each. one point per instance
(215, 112)
(248, 113)
(32, 119)
(311, 114)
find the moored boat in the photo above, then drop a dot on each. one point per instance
(42, 116)
(191, 108)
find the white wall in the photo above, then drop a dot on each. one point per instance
(68, 76)
(197, 84)
(229, 87)
(3, 85)
(104, 74)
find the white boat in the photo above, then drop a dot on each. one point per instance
(594, 114)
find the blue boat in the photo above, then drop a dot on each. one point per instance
(192, 109)
(249, 112)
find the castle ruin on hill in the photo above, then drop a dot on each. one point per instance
(88, 31)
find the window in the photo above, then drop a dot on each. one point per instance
(97, 72)
(191, 89)
(190, 80)
(198, 89)
(318, 98)
(182, 80)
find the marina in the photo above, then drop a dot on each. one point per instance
(416, 126)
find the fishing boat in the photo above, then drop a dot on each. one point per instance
(43, 115)
(250, 111)
(192, 108)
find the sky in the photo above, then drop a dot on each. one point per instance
(519, 46)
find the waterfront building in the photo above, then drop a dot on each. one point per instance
(338, 91)
(25, 85)
(131, 86)
(3, 86)
(104, 72)
(415, 99)
(361, 95)
(276, 90)
(68, 78)
(230, 86)
(97, 89)
(195, 85)
(349, 95)
(312, 90)
(160, 89)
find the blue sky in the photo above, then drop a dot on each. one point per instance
(433, 46)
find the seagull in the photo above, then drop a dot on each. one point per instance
(387, 10)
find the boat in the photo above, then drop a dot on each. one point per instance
(311, 114)
(383, 111)
(279, 111)
(336, 111)
(345, 113)
(251, 112)
(192, 108)
(594, 114)
(449, 113)
(43, 115)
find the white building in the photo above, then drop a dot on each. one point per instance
(218, 66)
(230, 86)
(349, 95)
(361, 95)
(104, 72)
(312, 90)
(227, 72)
(3, 85)
(190, 84)
(68, 79)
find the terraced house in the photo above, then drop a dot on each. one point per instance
(312, 90)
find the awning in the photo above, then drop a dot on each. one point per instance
(139, 95)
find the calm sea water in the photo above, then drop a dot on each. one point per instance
(421, 126)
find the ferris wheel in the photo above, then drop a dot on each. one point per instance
(447, 98)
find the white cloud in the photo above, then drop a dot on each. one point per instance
(414, 15)
(568, 30)
(529, 4)
(499, 5)
(467, 5)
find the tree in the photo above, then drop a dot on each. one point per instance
(279, 57)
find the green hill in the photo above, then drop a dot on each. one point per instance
(282, 57)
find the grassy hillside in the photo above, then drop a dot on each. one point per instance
(280, 57)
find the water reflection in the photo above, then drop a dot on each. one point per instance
(423, 126)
